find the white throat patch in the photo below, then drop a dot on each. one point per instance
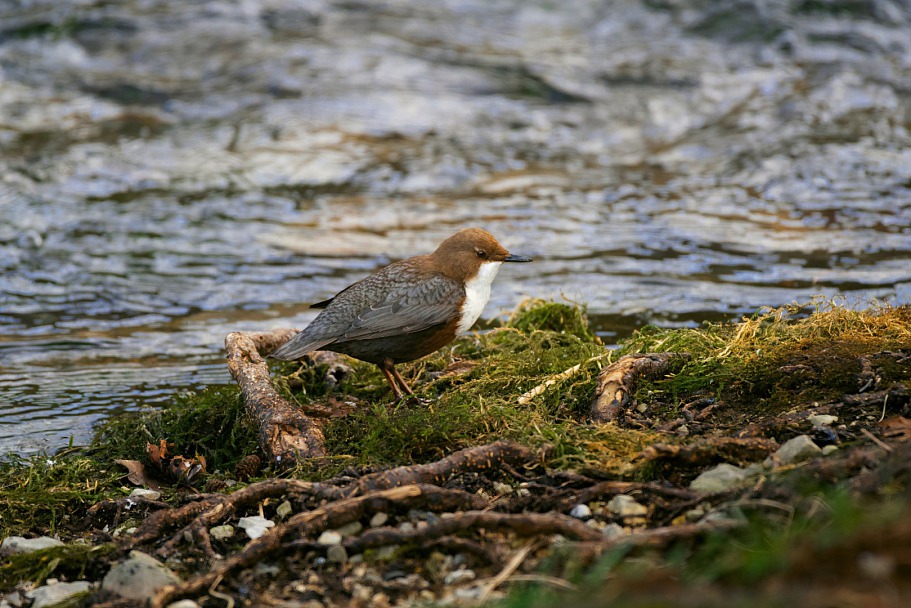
(477, 292)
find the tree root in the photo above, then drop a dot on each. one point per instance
(489, 457)
(526, 524)
(216, 508)
(617, 382)
(710, 451)
(309, 523)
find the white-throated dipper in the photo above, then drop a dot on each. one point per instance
(407, 309)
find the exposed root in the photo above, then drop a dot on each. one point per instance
(617, 382)
(216, 508)
(710, 451)
(489, 457)
(311, 522)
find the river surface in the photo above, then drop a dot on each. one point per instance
(171, 171)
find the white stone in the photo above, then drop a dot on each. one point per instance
(255, 526)
(822, 419)
(719, 479)
(49, 595)
(829, 449)
(795, 450)
(139, 577)
(379, 518)
(329, 537)
(283, 510)
(13, 545)
(581, 512)
(457, 577)
(144, 493)
(183, 604)
(222, 532)
(626, 506)
(352, 528)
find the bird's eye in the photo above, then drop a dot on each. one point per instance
(482, 253)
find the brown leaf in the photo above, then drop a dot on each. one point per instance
(136, 473)
(897, 428)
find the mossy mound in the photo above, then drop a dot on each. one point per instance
(768, 363)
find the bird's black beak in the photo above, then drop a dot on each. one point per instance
(517, 258)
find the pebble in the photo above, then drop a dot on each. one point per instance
(613, 530)
(719, 479)
(626, 506)
(822, 419)
(457, 577)
(139, 577)
(386, 552)
(254, 526)
(330, 537)
(49, 595)
(406, 526)
(352, 528)
(144, 493)
(283, 510)
(794, 450)
(13, 545)
(336, 554)
(828, 449)
(379, 518)
(503, 489)
(581, 512)
(183, 604)
(222, 532)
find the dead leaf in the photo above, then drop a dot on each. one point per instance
(897, 428)
(136, 473)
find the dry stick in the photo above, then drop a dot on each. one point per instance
(332, 515)
(656, 537)
(617, 382)
(285, 433)
(507, 571)
(569, 373)
(477, 459)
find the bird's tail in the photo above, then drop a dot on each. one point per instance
(297, 347)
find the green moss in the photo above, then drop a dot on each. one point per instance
(533, 314)
(74, 561)
(484, 404)
(43, 495)
(777, 357)
(211, 422)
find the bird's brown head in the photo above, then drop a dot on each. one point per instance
(463, 254)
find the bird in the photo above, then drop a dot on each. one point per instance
(407, 309)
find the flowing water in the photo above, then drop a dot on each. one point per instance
(174, 170)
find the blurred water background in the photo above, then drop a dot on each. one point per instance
(172, 170)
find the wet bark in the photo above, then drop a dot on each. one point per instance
(286, 434)
(617, 382)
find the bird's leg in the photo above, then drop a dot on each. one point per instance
(401, 380)
(385, 367)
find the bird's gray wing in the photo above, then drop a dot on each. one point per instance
(396, 300)
(409, 307)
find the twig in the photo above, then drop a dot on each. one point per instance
(507, 571)
(544, 578)
(877, 440)
(568, 373)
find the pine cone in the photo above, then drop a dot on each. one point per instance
(248, 467)
(215, 485)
